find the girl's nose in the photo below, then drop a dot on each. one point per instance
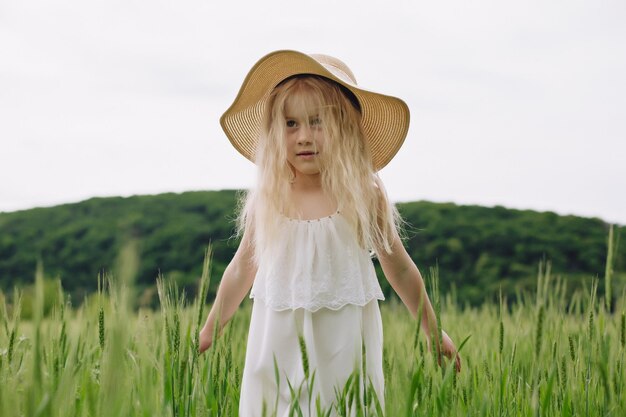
(304, 135)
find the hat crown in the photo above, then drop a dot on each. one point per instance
(336, 66)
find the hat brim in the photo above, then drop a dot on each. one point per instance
(385, 119)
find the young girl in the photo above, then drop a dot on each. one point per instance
(309, 227)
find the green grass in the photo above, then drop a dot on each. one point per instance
(540, 355)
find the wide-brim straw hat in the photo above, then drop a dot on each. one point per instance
(385, 119)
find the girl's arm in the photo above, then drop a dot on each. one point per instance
(407, 282)
(236, 282)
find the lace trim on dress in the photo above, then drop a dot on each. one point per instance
(317, 264)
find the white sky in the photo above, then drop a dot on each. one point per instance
(520, 103)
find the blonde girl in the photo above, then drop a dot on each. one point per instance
(309, 228)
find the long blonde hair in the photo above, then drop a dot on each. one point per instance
(346, 168)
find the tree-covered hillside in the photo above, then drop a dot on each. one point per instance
(477, 249)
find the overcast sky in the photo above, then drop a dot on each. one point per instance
(521, 104)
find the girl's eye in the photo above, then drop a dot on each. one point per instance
(316, 121)
(291, 123)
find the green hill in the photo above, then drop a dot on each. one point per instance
(478, 250)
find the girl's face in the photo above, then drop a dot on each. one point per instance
(304, 137)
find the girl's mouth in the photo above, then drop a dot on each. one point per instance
(308, 154)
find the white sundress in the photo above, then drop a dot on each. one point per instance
(320, 287)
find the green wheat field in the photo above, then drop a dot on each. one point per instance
(547, 353)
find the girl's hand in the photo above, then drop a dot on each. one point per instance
(448, 349)
(205, 341)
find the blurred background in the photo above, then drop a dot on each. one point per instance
(516, 151)
(516, 104)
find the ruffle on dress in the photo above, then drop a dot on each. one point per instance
(316, 264)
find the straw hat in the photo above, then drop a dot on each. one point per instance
(385, 119)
